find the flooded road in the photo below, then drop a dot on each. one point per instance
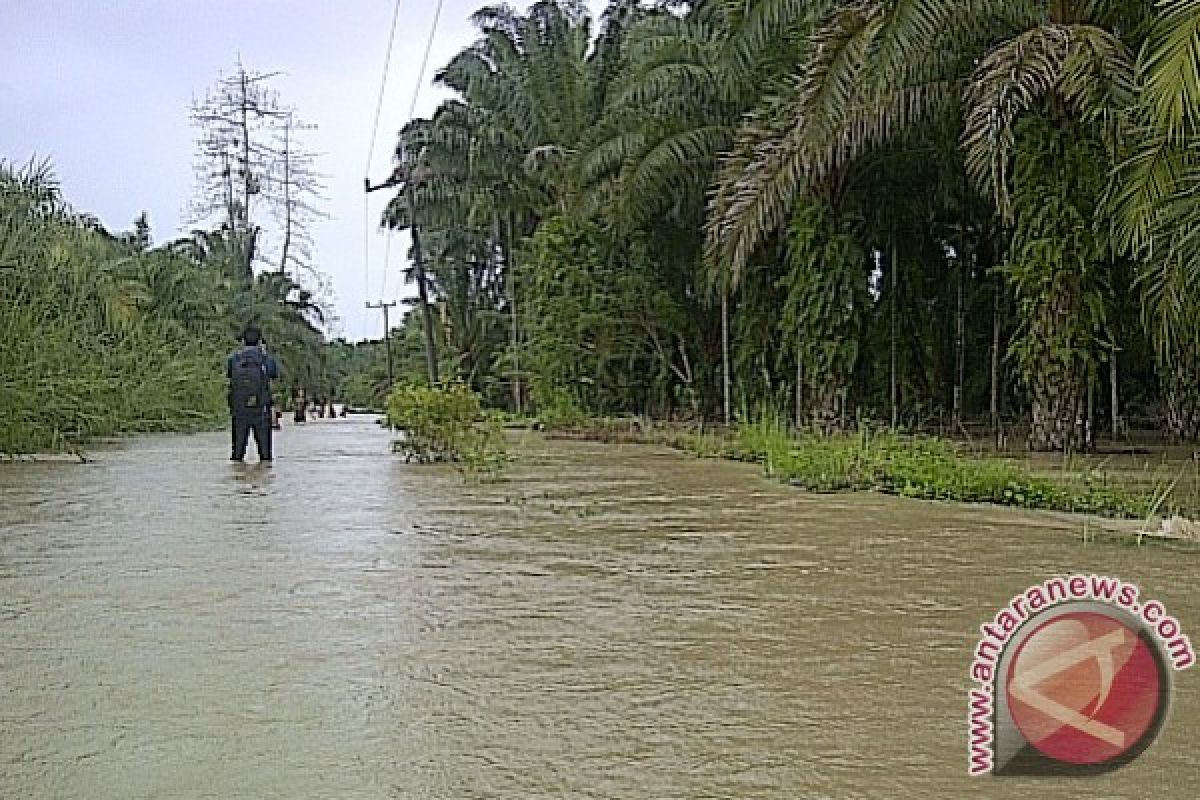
(612, 621)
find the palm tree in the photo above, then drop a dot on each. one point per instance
(1155, 208)
(494, 161)
(876, 70)
(675, 108)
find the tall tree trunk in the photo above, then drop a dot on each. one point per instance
(230, 209)
(1181, 390)
(725, 377)
(287, 195)
(994, 403)
(1055, 378)
(1114, 408)
(510, 269)
(828, 406)
(960, 347)
(1089, 422)
(894, 381)
(799, 389)
(1183, 411)
(247, 178)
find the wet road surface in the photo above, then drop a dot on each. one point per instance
(610, 621)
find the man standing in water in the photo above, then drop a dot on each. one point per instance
(250, 371)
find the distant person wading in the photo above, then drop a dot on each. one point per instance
(250, 371)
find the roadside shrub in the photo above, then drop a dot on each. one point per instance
(558, 410)
(446, 424)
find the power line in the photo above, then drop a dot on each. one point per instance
(412, 109)
(437, 15)
(387, 62)
(416, 94)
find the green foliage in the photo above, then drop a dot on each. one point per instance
(103, 334)
(93, 341)
(446, 424)
(557, 408)
(922, 467)
(594, 318)
(826, 294)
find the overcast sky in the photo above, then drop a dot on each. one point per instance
(103, 88)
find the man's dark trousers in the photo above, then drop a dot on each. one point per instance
(260, 425)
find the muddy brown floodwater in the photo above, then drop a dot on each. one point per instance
(612, 621)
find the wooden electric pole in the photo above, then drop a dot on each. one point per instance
(387, 337)
(402, 177)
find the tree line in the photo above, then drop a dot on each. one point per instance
(925, 212)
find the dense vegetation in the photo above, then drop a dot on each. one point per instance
(103, 333)
(924, 213)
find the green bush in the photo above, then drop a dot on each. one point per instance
(446, 424)
(557, 409)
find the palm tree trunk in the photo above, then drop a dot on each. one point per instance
(1056, 378)
(828, 403)
(1089, 422)
(1181, 393)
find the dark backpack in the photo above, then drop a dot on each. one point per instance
(249, 388)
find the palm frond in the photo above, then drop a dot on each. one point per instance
(1008, 81)
(1171, 65)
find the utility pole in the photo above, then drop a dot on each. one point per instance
(422, 287)
(404, 177)
(387, 337)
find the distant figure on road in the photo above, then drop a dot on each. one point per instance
(250, 371)
(298, 405)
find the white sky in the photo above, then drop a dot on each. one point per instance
(103, 88)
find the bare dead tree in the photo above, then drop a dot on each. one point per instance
(295, 196)
(235, 155)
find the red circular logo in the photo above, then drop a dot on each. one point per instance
(1084, 688)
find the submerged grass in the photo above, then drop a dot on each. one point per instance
(916, 466)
